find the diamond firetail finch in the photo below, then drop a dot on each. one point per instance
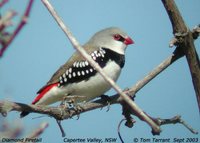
(77, 79)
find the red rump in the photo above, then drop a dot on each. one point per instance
(43, 92)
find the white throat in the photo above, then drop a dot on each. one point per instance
(118, 47)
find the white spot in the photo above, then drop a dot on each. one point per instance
(103, 51)
(83, 64)
(70, 70)
(92, 55)
(102, 55)
(70, 76)
(65, 79)
(94, 58)
(83, 73)
(80, 64)
(91, 70)
(74, 74)
(87, 71)
(95, 52)
(86, 63)
(77, 64)
(60, 77)
(64, 75)
(74, 64)
(61, 81)
(78, 73)
(99, 54)
(66, 72)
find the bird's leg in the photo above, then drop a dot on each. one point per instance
(66, 103)
(107, 99)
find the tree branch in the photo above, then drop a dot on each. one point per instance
(35, 133)
(3, 2)
(186, 42)
(60, 113)
(196, 31)
(78, 47)
(18, 29)
(174, 120)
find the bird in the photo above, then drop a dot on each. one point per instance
(77, 79)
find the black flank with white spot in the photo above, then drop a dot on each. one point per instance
(83, 70)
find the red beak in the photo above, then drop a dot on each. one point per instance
(128, 41)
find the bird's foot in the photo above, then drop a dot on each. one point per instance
(75, 109)
(71, 107)
(107, 99)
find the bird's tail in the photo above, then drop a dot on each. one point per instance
(23, 114)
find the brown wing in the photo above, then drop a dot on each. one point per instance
(67, 65)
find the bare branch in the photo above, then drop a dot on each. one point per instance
(174, 120)
(3, 2)
(18, 29)
(37, 132)
(13, 132)
(178, 53)
(186, 43)
(5, 21)
(78, 47)
(60, 113)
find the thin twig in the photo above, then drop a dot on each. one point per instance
(37, 132)
(5, 21)
(175, 120)
(61, 128)
(19, 27)
(118, 130)
(178, 53)
(3, 2)
(60, 114)
(78, 47)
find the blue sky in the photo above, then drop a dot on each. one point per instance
(41, 48)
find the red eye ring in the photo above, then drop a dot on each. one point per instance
(117, 37)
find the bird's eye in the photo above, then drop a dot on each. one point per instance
(118, 37)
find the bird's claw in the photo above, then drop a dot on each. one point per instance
(76, 108)
(70, 105)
